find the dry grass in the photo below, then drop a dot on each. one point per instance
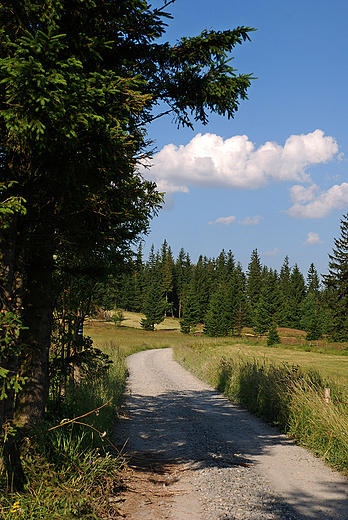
(132, 319)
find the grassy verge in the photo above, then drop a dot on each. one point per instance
(289, 396)
(73, 468)
(283, 385)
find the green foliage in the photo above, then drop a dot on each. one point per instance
(337, 285)
(219, 319)
(273, 336)
(118, 317)
(190, 313)
(268, 303)
(154, 306)
(253, 285)
(71, 465)
(10, 206)
(10, 327)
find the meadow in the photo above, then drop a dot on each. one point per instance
(285, 385)
(73, 466)
(329, 359)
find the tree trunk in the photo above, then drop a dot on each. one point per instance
(38, 305)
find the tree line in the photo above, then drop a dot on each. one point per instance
(218, 294)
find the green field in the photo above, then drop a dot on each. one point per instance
(131, 336)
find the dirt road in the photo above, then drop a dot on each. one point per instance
(197, 456)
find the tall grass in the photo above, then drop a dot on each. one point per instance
(73, 468)
(286, 396)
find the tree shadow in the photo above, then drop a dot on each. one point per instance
(203, 430)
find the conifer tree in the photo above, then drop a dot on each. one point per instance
(267, 306)
(138, 280)
(310, 317)
(182, 278)
(190, 316)
(285, 313)
(154, 305)
(273, 336)
(79, 82)
(221, 272)
(219, 320)
(297, 295)
(202, 280)
(311, 307)
(239, 296)
(253, 285)
(337, 284)
(313, 281)
(167, 274)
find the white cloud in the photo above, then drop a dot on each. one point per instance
(226, 221)
(319, 204)
(272, 253)
(210, 161)
(312, 239)
(247, 221)
(300, 194)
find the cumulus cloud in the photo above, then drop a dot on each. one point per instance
(299, 194)
(312, 239)
(313, 203)
(224, 220)
(210, 161)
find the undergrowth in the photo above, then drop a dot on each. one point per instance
(287, 396)
(71, 464)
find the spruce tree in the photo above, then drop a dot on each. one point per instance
(268, 304)
(337, 284)
(253, 285)
(239, 296)
(285, 314)
(203, 280)
(190, 316)
(273, 336)
(311, 307)
(219, 320)
(182, 278)
(138, 280)
(154, 305)
(297, 295)
(167, 275)
(313, 280)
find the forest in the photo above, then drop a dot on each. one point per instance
(217, 293)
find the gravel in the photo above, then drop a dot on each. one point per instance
(233, 465)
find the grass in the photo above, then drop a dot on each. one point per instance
(284, 385)
(288, 396)
(73, 469)
(331, 364)
(132, 319)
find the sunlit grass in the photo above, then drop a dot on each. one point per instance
(133, 319)
(73, 470)
(130, 339)
(285, 394)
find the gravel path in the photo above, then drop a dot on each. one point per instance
(231, 465)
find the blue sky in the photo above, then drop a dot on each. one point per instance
(274, 177)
